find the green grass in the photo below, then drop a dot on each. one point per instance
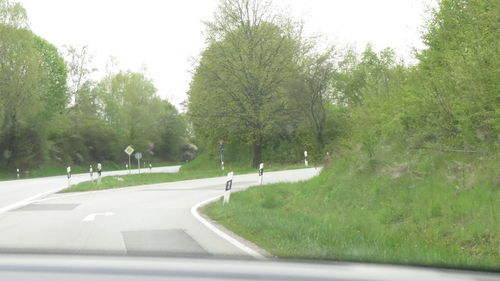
(147, 178)
(138, 179)
(52, 170)
(422, 208)
(238, 158)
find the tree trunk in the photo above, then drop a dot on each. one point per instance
(320, 139)
(257, 152)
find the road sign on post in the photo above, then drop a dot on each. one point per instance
(261, 172)
(138, 156)
(221, 153)
(129, 150)
(229, 184)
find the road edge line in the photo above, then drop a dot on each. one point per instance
(27, 201)
(220, 233)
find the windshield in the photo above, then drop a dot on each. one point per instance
(359, 131)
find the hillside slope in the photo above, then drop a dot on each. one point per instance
(422, 208)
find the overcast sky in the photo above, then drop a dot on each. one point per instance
(164, 36)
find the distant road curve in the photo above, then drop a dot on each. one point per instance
(16, 193)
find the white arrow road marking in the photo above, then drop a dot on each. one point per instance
(91, 217)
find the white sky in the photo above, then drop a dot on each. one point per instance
(164, 35)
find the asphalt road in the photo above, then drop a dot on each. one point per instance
(16, 193)
(141, 220)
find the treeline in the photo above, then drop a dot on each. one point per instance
(261, 83)
(53, 113)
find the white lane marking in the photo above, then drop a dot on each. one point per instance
(28, 200)
(92, 217)
(227, 237)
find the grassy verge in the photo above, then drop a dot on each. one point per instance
(52, 170)
(146, 178)
(423, 208)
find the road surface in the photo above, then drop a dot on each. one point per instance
(15, 193)
(149, 219)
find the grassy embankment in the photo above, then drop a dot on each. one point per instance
(201, 167)
(420, 208)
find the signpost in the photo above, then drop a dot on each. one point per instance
(305, 158)
(129, 150)
(138, 156)
(221, 153)
(261, 172)
(229, 184)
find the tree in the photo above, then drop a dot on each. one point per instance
(78, 60)
(238, 87)
(13, 14)
(54, 76)
(459, 73)
(32, 91)
(312, 90)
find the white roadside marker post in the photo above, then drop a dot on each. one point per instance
(99, 171)
(68, 172)
(261, 172)
(91, 172)
(17, 173)
(229, 184)
(305, 158)
(126, 168)
(150, 167)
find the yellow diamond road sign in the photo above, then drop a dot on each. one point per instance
(129, 150)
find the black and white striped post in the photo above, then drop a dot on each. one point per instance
(261, 172)
(305, 158)
(99, 172)
(229, 184)
(68, 174)
(17, 173)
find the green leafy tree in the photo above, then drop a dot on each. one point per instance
(13, 14)
(32, 81)
(312, 92)
(238, 88)
(459, 73)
